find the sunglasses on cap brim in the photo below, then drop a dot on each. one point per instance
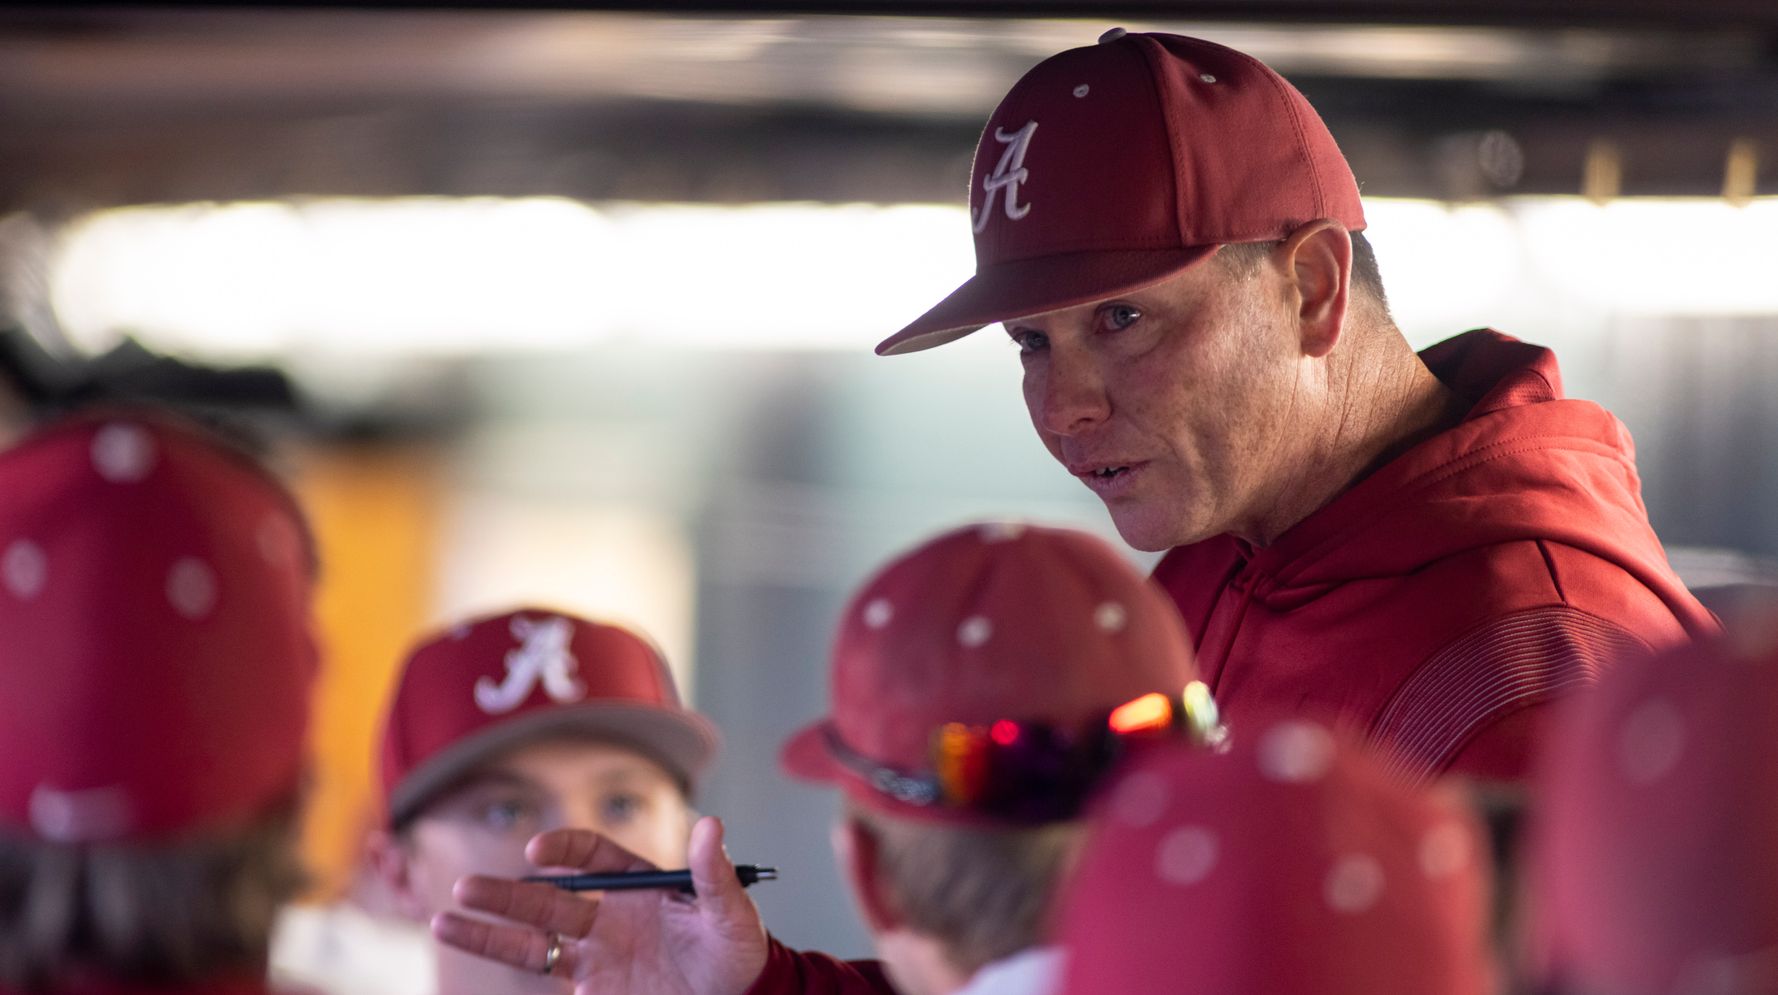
(1037, 771)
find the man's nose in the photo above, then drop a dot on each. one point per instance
(1073, 396)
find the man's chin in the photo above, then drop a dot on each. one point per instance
(1142, 532)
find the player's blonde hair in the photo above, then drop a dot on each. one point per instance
(983, 893)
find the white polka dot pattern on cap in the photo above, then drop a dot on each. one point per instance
(1295, 752)
(1354, 884)
(1651, 742)
(24, 569)
(1187, 855)
(1444, 850)
(1001, 531)
(123, 453)
(1140, 800)
(878, 613)
(191, 588)
(76, 816)
(1082, 90)
(974, 632)
(1111, 617)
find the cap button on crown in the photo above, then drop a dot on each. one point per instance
(1113, 35)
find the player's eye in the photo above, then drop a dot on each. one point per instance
(507, 814)
(621, 808)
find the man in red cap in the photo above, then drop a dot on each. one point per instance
(506, 726)
(1295, 864)
(982, 685)
(1427, 548)
(1652, 869)
(156, 659)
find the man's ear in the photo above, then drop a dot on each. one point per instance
(390, 861)
(1318, 260)
(859, 854)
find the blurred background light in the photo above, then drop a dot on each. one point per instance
(443, 276)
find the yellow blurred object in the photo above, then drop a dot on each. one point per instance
(375, 512)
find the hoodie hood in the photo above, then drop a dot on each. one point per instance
(1524, 464)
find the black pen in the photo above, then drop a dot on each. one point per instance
(633, 880)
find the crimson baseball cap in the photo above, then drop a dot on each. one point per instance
(156, 642)
(1294, 862)
(989, 622)
(1653, 854)
(1115, 166)
(496, 682)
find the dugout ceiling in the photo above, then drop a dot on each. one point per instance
(824, 101)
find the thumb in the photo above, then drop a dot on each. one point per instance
(713, 874)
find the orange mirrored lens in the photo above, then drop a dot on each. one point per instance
(1150, 712)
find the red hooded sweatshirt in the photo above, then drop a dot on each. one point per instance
(1440, 604)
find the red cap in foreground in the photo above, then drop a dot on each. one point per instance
(1291, 864)
(156, 652)
(1654, 865)
(990, 622)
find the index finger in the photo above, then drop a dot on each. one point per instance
(582, 850)
(543, 906)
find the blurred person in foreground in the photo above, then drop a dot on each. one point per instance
(156, 661)
(1653, 853)
(515, 724)
(982, 685)
(1430, 549)
(1295, 864)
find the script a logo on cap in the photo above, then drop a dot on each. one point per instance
(1008, 173)
(542, 657)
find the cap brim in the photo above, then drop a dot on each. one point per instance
(805, 755)
(682, 742)
(1026, 287)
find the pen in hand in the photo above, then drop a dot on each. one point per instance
(633, 880)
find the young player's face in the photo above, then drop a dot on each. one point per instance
(481, 826)
(1173, 403)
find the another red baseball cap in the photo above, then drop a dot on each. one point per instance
(1292, 863)
(1653, 864)
(493, 683)
(1115, 166)
(156, 650)
(991, 622)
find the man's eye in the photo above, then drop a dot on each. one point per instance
(1119, 316)
(1029, 341)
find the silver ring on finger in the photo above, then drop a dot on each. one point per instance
(552, 954)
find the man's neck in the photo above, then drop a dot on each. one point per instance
(1381, 402)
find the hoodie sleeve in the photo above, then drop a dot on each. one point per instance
(1474, 707)
(789, 972)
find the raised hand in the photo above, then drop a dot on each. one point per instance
(639, 942)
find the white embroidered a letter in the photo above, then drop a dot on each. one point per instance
(541, 657)
(1008, 173)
